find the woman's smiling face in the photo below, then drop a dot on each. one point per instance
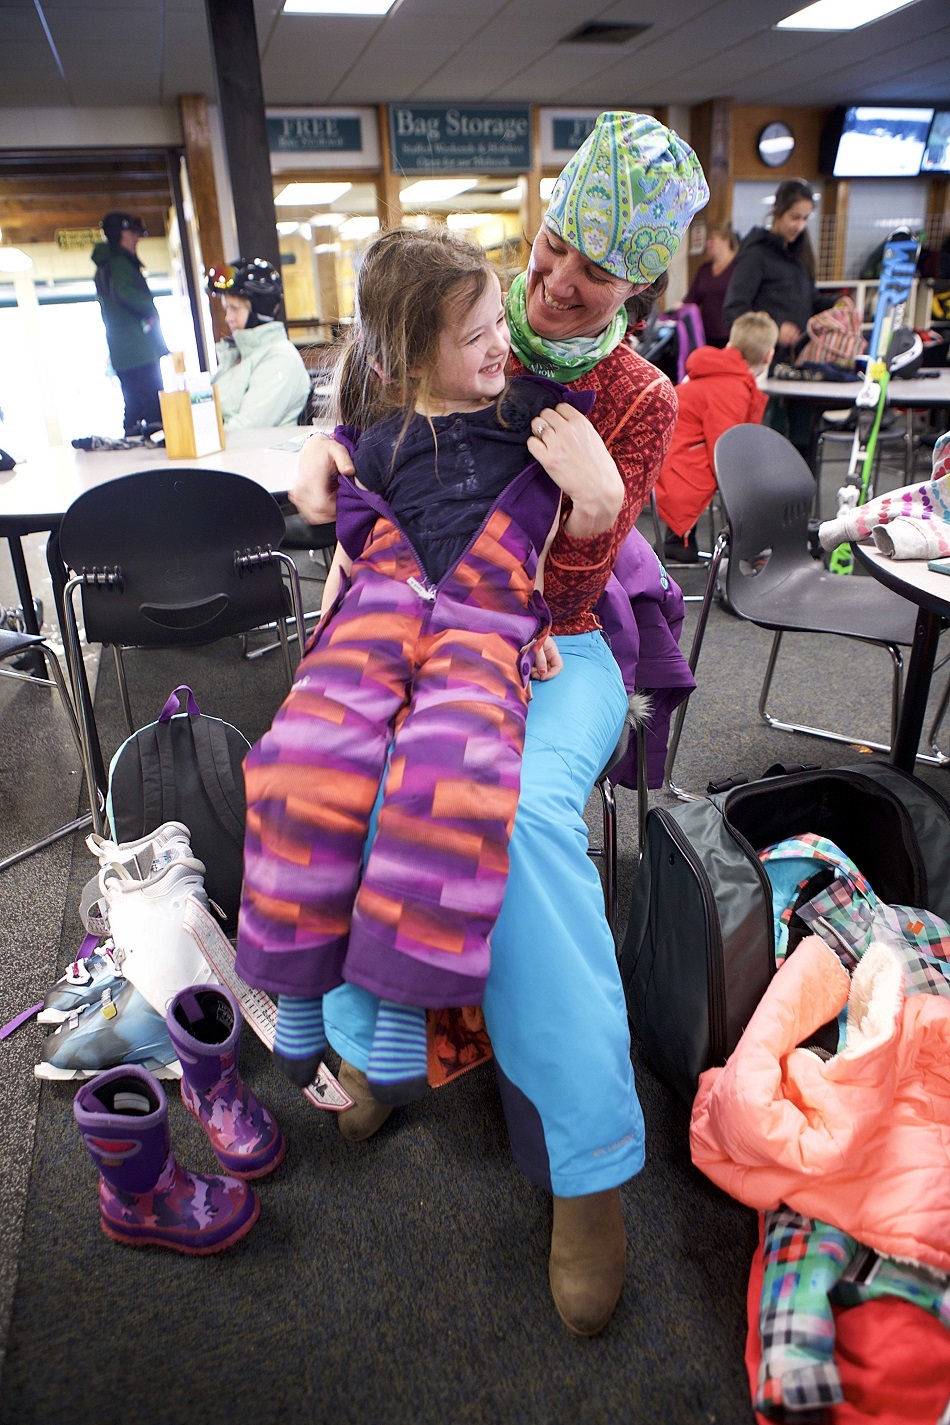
(567, 294)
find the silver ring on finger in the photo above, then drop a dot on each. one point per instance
(540, 428)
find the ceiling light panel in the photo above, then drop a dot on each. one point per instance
(338, 7)
(841, 14)
(300, 195)
(432, 190)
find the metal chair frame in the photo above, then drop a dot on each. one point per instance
(12, 645)
(724, 452)
(217, 614)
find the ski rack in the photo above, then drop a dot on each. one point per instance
(897, 274)
(258, 1009)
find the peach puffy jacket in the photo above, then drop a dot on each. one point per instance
(862, 1140)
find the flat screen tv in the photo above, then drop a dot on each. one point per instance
(878, 142)
(936, 157)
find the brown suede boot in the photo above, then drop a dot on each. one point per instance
(367, 1115)
(588, 1259)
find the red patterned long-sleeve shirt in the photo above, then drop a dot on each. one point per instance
(634, 415)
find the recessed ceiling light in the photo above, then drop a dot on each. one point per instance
(327, 220)
(356, 228)
(285, 229)
(301, 194)
(513, 195)
(469, 220)
(337, 7)
(430, 190)
(841, 14)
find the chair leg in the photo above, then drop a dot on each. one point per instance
(722, 544)
(643, 790)
(852, 739)
(123, 687)
(79, 823)
(609, 803)
(941, 757)
(89, 735)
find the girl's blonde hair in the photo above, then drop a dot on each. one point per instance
(410, 283)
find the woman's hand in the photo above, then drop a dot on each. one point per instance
(547, 661)
(320, 462)
(788, 334)
(575, 457)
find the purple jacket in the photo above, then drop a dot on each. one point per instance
(641, 611)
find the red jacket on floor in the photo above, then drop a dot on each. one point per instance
(719, 392)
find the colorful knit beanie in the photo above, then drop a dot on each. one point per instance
(627, 196)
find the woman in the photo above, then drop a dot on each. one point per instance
(775, 269)
(261, 379)
(775, 273)
(554, 1005)
(708, 288)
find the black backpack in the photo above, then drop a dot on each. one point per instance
(699, 950)
(186, 767)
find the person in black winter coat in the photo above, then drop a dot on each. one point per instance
(775, 270)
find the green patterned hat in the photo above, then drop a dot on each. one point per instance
(627, 196)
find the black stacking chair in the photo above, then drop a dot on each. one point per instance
(15, 645)
(311, 539)
(766, 490)
(165, 559)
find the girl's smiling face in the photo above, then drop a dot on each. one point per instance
(472, 350)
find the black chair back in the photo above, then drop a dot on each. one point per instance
(165, 544)
(766, 490)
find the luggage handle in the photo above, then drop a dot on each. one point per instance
(777, 769)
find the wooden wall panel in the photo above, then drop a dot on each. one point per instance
(748, 121)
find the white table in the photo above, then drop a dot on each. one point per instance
(36, 493)
(931, 593)
(919, 392)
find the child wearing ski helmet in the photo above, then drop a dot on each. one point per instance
(261, 379)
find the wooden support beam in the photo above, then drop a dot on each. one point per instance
(204, 191)
(710, 127)
(237, 68)
(388, 183)
(834, 228)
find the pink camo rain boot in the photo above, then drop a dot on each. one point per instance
(204, 1023)
(145, 1198)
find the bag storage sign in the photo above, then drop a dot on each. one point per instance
(438, 138)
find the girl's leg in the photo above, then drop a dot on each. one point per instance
(554, 1003)
(553, 1000)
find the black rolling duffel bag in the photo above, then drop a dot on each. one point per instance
(699, 949)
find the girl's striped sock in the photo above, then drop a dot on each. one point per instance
(397, 1062)
(300, 1040)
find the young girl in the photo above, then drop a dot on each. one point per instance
(433, 625)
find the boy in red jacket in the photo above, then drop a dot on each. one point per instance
(719, 392)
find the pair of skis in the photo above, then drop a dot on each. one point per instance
(885, 352)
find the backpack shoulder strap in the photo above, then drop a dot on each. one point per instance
(217, 775)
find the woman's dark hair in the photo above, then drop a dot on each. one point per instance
(787, 194)
(641, 304)
(410, 281)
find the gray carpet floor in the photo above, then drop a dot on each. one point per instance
(403, 1280)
